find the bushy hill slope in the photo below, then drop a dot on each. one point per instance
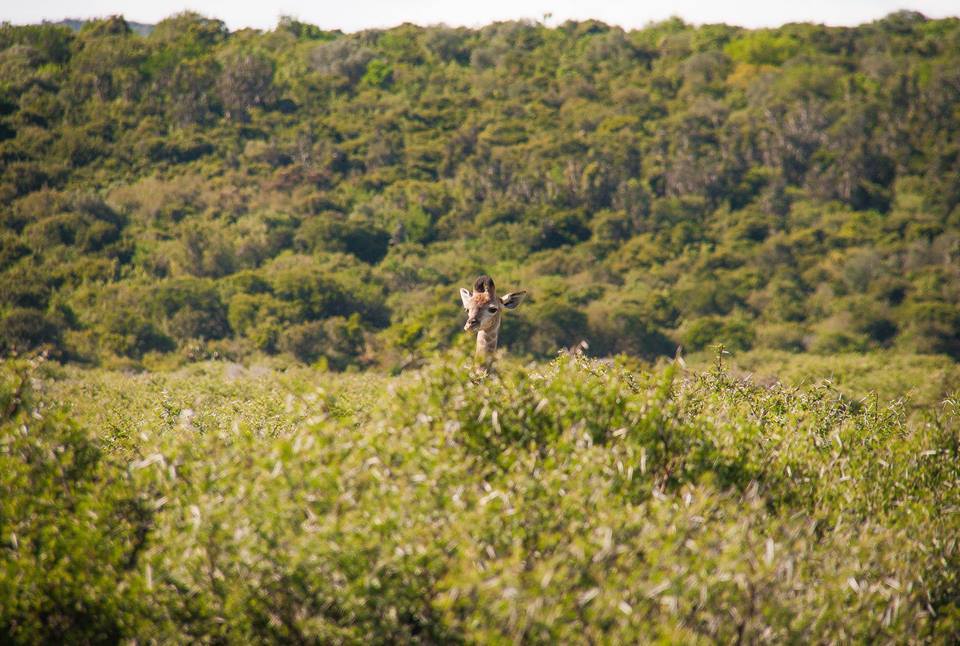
(573, 502)
(197, 193)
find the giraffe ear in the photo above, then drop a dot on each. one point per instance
(511, 300)
(465, 297)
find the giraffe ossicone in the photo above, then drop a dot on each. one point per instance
(484, 309)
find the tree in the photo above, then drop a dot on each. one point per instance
(246, 81)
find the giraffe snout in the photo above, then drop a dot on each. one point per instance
(471, 324)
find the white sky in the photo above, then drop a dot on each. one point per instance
(353, 15)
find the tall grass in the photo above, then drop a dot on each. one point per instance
(575, 501)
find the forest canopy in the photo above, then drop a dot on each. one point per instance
(186, 192)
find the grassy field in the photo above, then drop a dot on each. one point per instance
(574, 501)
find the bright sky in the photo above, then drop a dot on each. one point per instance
(353, 15)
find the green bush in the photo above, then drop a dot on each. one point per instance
(25, 287)
(542, 328)
(933, 327)
(74, 527)
(626, 328)
(781, 336)
(304, 341)
(762, 48)
(332, 232)
(23, 329)
(554, 502)
(338, 340)
(705, 332)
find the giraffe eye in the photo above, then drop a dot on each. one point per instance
(492, 310)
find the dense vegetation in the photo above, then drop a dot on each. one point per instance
(220, 207)
(194, 193)
(572, 502)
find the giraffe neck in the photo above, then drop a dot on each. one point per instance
(487, 342)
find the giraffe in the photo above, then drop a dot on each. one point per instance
(484, 308)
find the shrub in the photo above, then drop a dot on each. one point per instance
(74, 527)
(246, 81)
(192, 308)
(540, 503)
(25, 287)
(25, 329)
(762, 48)
(338, 340)
(342, 57)
(331, 231)
(128, 333)
(932, 327)
(545, 327)
(837, 334)
(734, 334)
(625, 328)
(449, 45)
(379, 73)
(559, 228)
(304, 340)
(781, 336)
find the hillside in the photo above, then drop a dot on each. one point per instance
(320, 196)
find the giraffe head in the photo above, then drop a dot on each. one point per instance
(484, 306)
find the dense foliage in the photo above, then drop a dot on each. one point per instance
(195, 193)
(573, 502)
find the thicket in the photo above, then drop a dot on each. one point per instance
(195, 193)
(574, 502)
